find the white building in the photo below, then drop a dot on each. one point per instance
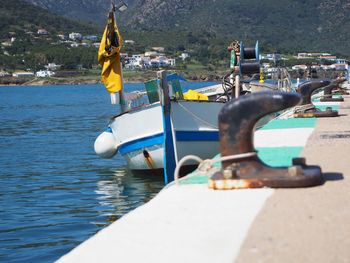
(75, 36)
(5, 74)
(162, 61)
(329, 58)
(183, 56)
(44, 73)
(311, 55)
(52, 66)
(297, 67)
(143, 62)
(341, 61)
(158, 49)
(42, 31)
(340, 66)
(151, 53)
(20, 74)
(136, 61)
(172, 62)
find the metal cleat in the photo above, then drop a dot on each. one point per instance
(306, 109)
(328, 90)
(342, 91)
(241, 166)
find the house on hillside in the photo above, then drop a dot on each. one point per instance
(184, 55)
(162, 61)
(342, 61)
(158, 49)
(44, 73)
(297, 67)
(4, 74)
(136, 61)
(75, 36)
(328, 57)
(172, 62)
(42, 31)
(52, 66)
(151, 53)
(342, 66)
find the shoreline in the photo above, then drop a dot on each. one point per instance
(12, 81)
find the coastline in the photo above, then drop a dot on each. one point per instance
(138, 77)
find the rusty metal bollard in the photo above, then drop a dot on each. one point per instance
(328, 90)
(241, 166)
(306, 109)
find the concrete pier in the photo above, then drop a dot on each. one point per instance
(190, 223)
(309, 224)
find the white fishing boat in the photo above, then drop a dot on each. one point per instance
(153, 137)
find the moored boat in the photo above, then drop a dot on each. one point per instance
(155, 136)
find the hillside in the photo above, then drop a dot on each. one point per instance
(23, 48)
(88, 10)
(284, 25)
(19, 16)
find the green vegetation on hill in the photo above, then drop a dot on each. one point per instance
(202, 28)
(20, 17)
(280, 25)
(20, 22)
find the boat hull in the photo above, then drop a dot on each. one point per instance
(140, 134)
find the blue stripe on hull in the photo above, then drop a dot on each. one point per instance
(141, 143)
(187, 136)
(181, 136)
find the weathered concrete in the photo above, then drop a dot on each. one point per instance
(311, 224)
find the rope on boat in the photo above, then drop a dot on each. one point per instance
(197, 117)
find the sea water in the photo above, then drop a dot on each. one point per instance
(54, 191)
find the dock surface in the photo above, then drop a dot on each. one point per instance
(190, 223)
(309, 224)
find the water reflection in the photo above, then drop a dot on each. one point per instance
(119, 191)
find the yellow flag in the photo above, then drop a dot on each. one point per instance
(109, 57)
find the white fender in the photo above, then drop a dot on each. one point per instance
(105, 144)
